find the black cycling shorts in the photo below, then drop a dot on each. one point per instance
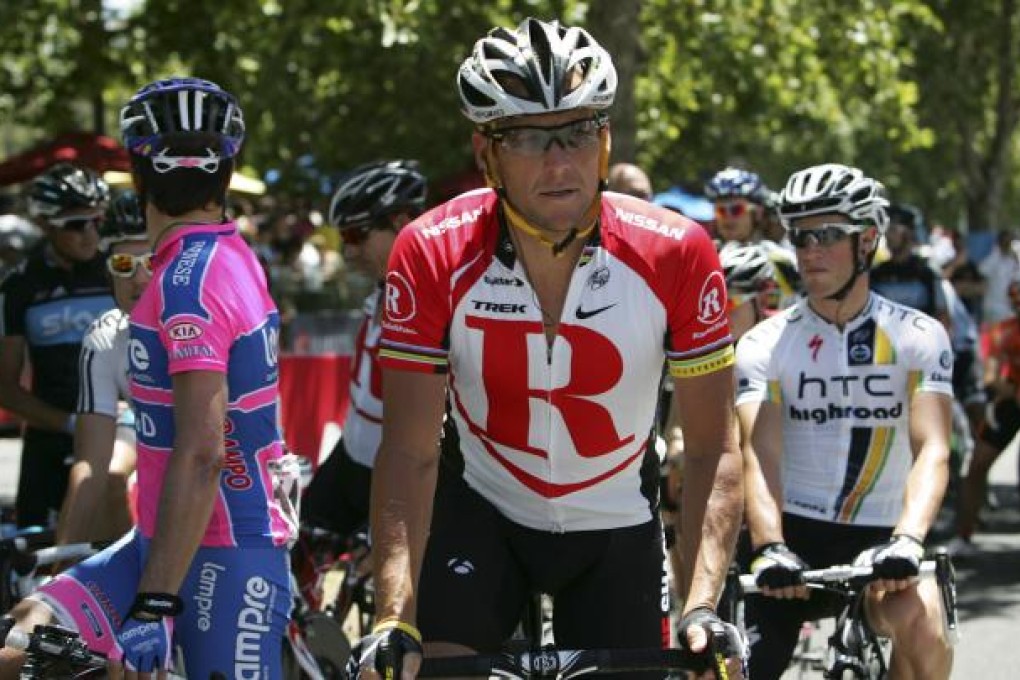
(338, 497)
(967, 379)
(773, 625)
(42, 484)
(1007, 424)
(608, 587)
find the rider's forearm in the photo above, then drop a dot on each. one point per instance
(926, 486)
(712, 505)
(402, 491)
(31, 409)
(764, 514)
(186, 503)
(86, 488)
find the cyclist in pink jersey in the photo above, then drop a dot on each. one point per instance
(544, 310)
(207, 567)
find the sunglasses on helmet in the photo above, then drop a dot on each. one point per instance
(824, 235)
(724, 210)
(124, 265)
(76, 223)
(533, 141)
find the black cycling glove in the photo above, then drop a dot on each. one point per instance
(384, 650)
(774, 565)
(897, 559)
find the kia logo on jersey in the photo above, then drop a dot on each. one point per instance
(400, 303)
(184, 331)
(712, 299)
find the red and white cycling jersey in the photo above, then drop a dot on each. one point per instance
(555, 436)
(362, 428)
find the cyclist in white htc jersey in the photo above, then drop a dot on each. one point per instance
(844, 407)
(96, 505)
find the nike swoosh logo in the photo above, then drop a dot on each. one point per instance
(589, 313)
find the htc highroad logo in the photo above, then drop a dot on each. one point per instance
(869, 397)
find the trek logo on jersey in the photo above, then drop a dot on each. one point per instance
(712, 299)
(499, 307)
(400, 302)
(184, 331)
(253, 622)
(182, 272)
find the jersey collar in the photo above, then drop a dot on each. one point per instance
(217, 229)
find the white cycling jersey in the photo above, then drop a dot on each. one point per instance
(845, 395)
(103, 365)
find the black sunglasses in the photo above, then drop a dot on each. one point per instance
(824, 235)
(78, 223)
(356, 235)
(533, 141)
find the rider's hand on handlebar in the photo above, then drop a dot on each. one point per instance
(779, 571)
(895, 563)
(143, 649)
(701, 630)
(392, 650)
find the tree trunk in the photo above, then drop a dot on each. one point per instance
(985, 180)
(616, 25)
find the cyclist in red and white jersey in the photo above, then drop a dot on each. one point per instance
(96, 505)
(545, 310)
(371, 205)
(843, 402)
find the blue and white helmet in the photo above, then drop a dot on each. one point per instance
(834, 188)
(528, 71)
(736, 183)
(182, 106)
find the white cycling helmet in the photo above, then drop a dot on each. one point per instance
(529, 71)
(834, 188)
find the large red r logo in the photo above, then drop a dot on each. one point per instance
(595, 368)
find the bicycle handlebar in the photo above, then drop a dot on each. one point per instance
(836, 574)
(561, 663)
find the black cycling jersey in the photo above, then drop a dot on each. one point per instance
(52, 308)
(912, 283)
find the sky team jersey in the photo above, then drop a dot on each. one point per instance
(207, 309)
(52, 308)
(103, 365)
(362, 428)
(845, 396)
(555, 436)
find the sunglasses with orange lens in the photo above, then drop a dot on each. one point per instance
(724, 210)
(125, 265)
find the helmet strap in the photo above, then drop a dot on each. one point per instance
(519, 221)
(861, 265)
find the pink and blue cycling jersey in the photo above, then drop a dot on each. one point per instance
(207, 309)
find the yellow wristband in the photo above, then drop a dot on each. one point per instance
(393, 622)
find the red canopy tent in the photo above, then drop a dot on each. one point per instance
(98, 152)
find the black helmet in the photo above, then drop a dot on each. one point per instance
(182, 106)
(370, 191)
(124, 220)
(66, 187)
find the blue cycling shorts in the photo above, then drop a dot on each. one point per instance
(237, 604)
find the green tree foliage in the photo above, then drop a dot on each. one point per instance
(922, 93)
